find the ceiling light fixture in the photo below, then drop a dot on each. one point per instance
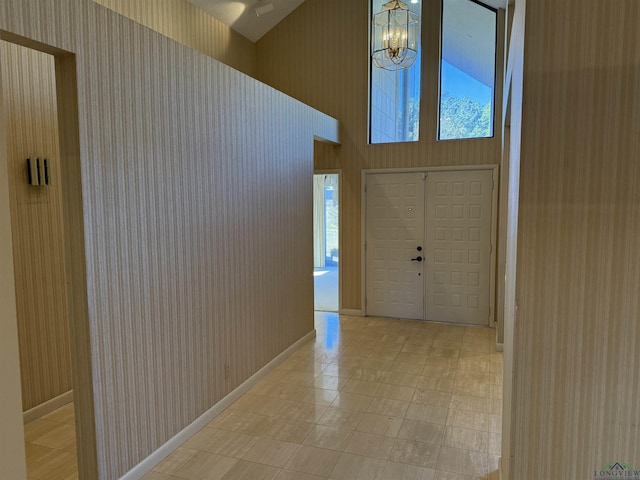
(262, 8)
(395, 36)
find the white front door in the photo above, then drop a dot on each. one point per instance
(428, 245)
(395, 229)
(458, 246)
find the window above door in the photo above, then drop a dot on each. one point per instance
(467, 76)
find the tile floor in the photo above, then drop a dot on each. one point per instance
(50, 444)
(369, 399)
(325, 289)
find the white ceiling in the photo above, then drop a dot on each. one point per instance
(240, 14)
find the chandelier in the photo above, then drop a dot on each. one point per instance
(395, 35)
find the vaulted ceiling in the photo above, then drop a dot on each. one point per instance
(241, 14)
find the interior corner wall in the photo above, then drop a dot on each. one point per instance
(185, 23)
(36, 218)
(513, 145)
(319, 55)
(576, 377)
(195, 198)
(503, 203)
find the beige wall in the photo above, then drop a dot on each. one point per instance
(576, 363)
(319, 55)
(183, 22)
(12, 454)
(184, 244)
(36, 219)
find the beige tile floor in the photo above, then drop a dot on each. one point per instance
(369, 399)
(50, 444)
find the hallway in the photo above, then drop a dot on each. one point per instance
(370, 399)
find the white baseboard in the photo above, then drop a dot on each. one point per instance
(47, 407)
(353, 313)
(165, 450)
(499, 347)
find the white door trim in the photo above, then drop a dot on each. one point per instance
(495, 198)
(494, 224)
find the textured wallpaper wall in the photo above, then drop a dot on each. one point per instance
(576, 359)
(187, 195)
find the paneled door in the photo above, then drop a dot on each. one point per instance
(395, 229)
(458, 246)
(428, 245)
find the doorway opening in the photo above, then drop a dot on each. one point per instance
(326, 242)
(35, 202)
(46, 319)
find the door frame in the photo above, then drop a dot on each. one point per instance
(494, 168)
(75, 266)
(336, 171)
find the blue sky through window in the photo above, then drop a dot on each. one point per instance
(460, 84)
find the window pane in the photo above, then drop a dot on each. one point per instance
(394, 102)
(467, 70)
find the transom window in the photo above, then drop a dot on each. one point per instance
(394, 103)
(467, 79)
(467, 70)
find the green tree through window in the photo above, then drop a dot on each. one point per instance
(467, 70)
(462, 117)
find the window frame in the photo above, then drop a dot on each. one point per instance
(419, 62)
(495, 75)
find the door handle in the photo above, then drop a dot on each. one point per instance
(417, 259)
